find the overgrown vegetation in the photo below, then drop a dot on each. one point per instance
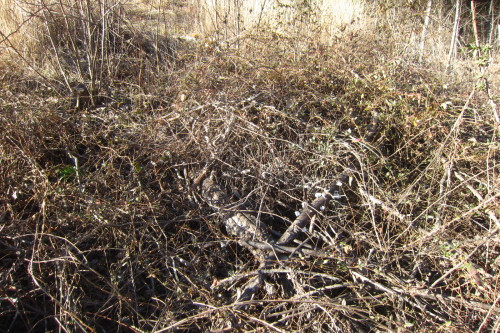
(108, 120)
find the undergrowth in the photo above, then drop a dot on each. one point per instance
(102, 230)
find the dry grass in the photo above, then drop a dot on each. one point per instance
(101, 229)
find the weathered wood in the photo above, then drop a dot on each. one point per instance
(318, 205)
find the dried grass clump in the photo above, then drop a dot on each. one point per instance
(230, 20)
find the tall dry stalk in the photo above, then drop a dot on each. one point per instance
(454, 35)
(424, 30)
(493, 26)
(474, 27)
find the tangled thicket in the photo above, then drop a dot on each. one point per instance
(102, 230)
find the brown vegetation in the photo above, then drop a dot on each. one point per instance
(108, 126)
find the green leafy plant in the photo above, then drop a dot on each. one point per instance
(66, 173)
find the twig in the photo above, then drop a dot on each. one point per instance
(490, 311)
(390, 210)
(251, 287)
(285, 249)
(233, 279)
(394, 293)
(479, 197)
(466, 259)
(311, 210)
(260, 321)
(330, 287)
(491, 102)
(447, 299)
(458, 218)
(293, 312)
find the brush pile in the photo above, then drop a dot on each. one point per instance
(252, 189)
